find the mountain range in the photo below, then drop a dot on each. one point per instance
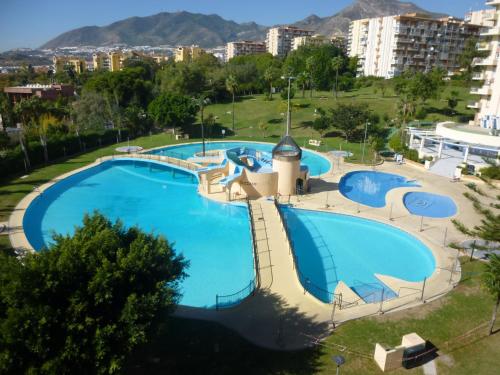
(184, 28)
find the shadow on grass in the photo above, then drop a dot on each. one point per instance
(189, 346)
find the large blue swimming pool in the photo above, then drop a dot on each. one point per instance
(429, 205)
(214, 237)
(332, 248)
(370, 187)
(317, 164)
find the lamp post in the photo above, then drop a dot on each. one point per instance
(364, 141)
(289, 114)
(339, 360)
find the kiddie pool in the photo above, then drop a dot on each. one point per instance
(429, 205)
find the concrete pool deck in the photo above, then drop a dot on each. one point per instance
(281, 314)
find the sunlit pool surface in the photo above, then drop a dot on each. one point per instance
(215, 238)
(370, 187)
(333, 247)
(429, 205)
(317, 164)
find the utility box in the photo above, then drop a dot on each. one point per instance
(387, 358)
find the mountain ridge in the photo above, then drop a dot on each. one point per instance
(211, 30)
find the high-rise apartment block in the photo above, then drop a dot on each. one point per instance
(62, 62)
(387, 46)
(245, 47)
(488, 103)
(280, 39)
(186, 54)
(111, 61)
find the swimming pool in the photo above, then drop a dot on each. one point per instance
(429, 205)
(317, 164)
(333, 247)
(215, 238)
(370, 187)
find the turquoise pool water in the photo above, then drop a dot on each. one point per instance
(429, 205)
(333, 247)
(214, 237)
(317, 164)
(370, 187)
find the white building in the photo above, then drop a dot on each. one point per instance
(279, 40)
(245, 47)
(387, 46)
(488, 103)
(310, 40)
(484, 17)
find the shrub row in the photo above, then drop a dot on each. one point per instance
(12, 161)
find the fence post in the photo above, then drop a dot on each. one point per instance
(423, 289)
(381, 301)
(217, 302)
(421, 223)
(472, 251)
(390, 212)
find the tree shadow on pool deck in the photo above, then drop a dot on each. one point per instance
(263, 335)
(319, 186)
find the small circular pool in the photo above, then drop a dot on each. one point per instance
(429, 205)
(317, 164)
(370, 187)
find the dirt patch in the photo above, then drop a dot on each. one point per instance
(446, 360)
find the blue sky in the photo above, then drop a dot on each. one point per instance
(30, 23)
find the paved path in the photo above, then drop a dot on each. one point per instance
(430, 368)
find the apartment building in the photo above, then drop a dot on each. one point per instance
(186, 54)
(62, 62)
(245, 47)
(488, 102)
(387, 46)
(280, 39)
(108, 61)
(310, 40)
(484, 17)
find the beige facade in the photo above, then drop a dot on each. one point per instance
(186, 54)
(61, 62)
(484, 17)
(387, 46)
(111, 61)
(310, 40)
(488, 79)
(279, 40)
(246, 47)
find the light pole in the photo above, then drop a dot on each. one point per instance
(364, 141)
(289, 113)
(339, 360)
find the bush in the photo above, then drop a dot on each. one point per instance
(395, 142)
(284, 93)
(492, 172)
(421, 113)
(411, 154)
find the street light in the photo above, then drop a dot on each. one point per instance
(289, 114)
(364, 142)
(339, 360)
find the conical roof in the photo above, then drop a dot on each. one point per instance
(287, 149)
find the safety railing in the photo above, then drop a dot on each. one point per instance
(231, 300)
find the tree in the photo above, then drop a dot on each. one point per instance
(202, 101)
(170, 110)
(46, 122)
(302, 80)
(453, 100)
(491, 281)
(469, 53)
(337, 63)
(84, 304)
(321, 123)
(349, 118)
(270, 75)
(231, 87)
(90, 112)
(377, 144)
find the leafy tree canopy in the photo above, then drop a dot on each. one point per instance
(85, 303)
(170, 110)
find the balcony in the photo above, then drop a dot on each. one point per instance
(494, 31)
(483, 91)
(483, 47)
(478, 76)
(493, 2)
(473, 105)
(489, 61)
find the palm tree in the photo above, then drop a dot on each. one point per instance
(337, 63)
(302, 80)
(269, 76)
(232, 86)
(310, 63)
(202, 101)
(491, 281)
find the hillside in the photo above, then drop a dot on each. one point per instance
(182, 28)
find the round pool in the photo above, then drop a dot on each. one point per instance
(370, 187)
(317, 164)
(429, 205)
(332, 247)
(214, 237)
